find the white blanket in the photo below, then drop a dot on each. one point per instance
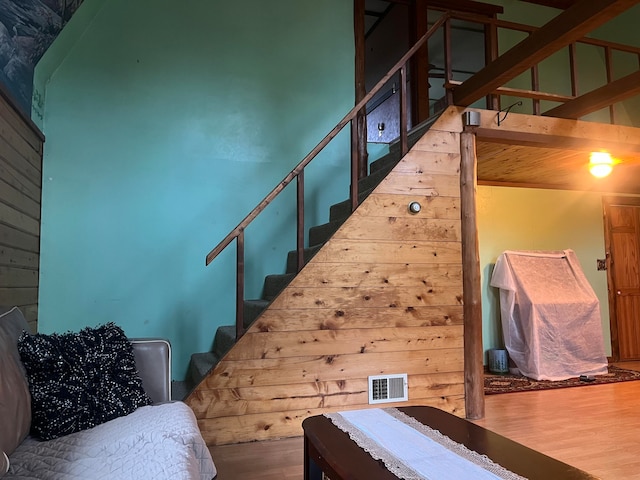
(155, 442)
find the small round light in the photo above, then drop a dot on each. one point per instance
(415, 207)
(600, 164)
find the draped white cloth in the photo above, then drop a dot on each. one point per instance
(413, 451)
(550, 315)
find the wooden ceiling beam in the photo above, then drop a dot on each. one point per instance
(561, 4)
(565, 28)
(609, 94)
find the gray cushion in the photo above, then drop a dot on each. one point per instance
(15, 400)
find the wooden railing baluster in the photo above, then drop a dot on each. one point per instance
(300, 222)
(608, 62)
(404, 143)
(240, 284)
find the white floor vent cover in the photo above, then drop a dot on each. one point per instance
(388, 388)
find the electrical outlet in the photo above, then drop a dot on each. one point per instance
(602, 264)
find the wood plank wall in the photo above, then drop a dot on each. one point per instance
(21, 146)
(383, 296)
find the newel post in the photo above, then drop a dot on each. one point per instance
(472, 310)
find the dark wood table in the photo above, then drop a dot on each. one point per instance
(330, 450)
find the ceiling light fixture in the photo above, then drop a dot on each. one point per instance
(600, 164)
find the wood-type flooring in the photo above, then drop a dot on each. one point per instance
(595, 428)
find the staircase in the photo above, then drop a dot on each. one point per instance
(202, 363)
(383, 295)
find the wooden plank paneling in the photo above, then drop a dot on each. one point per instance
(21, 221)
(351, 341)
(378, 204)
(249, 400)
(20, 196)
(226, 430)
(11, 237)
(18, 277)
(11, 135)
(18, 200)
(371, 297)
(407, 229)
(18, 296)
(12, 176)
(427, 185)
(376, 275)
(340, 250)
(383, 295)
(315, 319)
(13, 257)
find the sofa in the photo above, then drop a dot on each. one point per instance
(45, 435)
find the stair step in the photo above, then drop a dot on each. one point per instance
(389, 160)
(180, 390)
(414, 135)
(321, 233)
(308, 253)
(342, 210)
(274, 284)
(252, 310)
(200, 365)
(373, 179)
(225, 339)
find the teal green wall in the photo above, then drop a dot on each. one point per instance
(537, 219)
(166, 123)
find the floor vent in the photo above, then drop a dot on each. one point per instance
(388, 388)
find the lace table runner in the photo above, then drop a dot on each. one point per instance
(414, 451)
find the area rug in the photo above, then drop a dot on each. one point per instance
(508, 383)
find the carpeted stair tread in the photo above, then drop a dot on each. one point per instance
(342, 210)
(388, 161)
(415, 134)
(225, 339)
(200, 365)
(253, 309)
(372, 180)
(274, 284)
(292, 257)
(180, 390)
(319, 234)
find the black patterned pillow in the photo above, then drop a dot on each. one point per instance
(80, 380)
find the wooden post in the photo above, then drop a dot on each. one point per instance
(361, 89)
(471, 295)
(419, 64)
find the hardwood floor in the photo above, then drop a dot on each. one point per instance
(595, 428)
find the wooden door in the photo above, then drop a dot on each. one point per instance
(622, 240)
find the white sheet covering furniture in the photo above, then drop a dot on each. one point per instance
(550, 315)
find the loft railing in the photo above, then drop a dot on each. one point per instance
(492, 26)
(493, 102)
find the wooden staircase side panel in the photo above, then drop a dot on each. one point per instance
(382, 296)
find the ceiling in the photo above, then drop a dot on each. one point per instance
(561, 168)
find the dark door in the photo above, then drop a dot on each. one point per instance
(622, 239)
